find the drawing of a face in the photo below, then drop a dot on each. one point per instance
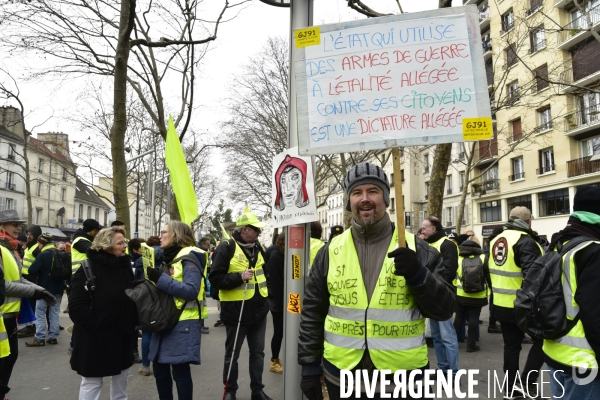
(291, 184)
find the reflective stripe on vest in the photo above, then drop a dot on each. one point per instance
(573, 349)
(506, 276)
(315, 246)
(11, 274)
(190, 310)
(4, 345)
(76, 256)
(28, 259)
(239, 263)
(457, 281)
(390, 326)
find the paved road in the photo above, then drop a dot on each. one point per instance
(45, 373)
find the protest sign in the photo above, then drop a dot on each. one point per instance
(401, 80)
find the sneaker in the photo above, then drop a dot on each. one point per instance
(28, 331)
(527, 340)
(204, 329)
(494, 329)
(472, 349)
(145, 371)
(35, 343)
(219, 323)
(136, 357)
(516, 394)
(52, 341)
(66, 311)
(276, 366)
(61, 328)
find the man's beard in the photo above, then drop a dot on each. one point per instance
(366, 222)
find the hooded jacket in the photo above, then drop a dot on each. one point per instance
(466, 249)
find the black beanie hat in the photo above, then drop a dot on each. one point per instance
(587, 199)
(367, 173)
(35, 230)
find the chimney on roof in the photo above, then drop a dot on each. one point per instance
(11, 119)
(56, 141)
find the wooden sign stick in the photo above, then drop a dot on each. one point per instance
(399, 202)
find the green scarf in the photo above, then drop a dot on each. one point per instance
(587, 217)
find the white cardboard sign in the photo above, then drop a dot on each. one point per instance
(402, 80)
(293, 192)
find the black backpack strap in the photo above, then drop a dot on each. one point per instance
(90, 279)
(571, 244)
(190, 258)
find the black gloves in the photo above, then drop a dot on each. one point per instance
(44, 295)
(311, 387)
(153, 274)
(406, 262)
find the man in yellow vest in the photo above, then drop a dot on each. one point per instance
(237, 271)
(366, 300)
(82, 241)
(580, 347)
(31, 252)
(443, 333)
(511, 255)
(15, 288)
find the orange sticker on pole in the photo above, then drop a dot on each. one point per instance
(294, 303)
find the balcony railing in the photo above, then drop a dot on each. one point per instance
(489, 186)
(426, 170)
(535, 6)
(579, 25)
(587, 116)
(10, 186)
(543, 127)
(484, 13)
(487, 46)
(520, 175)
(582, 166)
(507, 27)
(11, 156)
(545, 169)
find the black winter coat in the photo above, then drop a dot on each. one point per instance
(449, 253)
(466, 249)
(104, 325)
(275, 267)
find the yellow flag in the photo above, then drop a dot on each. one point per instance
(180, 176)
(225, 234)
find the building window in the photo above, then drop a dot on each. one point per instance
(461, 151)
(97, 214)
(590, 147)
(38, 216)
(448, 216)
(40, 165)
(81, 212)
(537, 40)
(448, 184)
(11, 152)
(588, 108)
(515, 130)
(426, 163)
(89, 212)
(511, 55)
(462, 181)
(546, 161)
(490, 211)
(554, 202)
(39, 189)
(11, 204)
(392, 205)
(508, 21)
(512, 92)
(541, 77)
(534, 5)
(545, 119)
(517, 168)
(486, 41)
(518, 201)
(64, 174)
(402, 175)
(63, 194)
(426, 190)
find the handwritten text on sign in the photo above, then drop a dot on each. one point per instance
(389, 80)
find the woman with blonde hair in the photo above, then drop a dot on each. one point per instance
(180, 275)
(104, 317)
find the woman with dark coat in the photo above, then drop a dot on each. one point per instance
(173, 351)
(275, 268)
(104, 318)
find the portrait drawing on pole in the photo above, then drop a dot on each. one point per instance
(290, 181)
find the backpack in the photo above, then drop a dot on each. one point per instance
(156, 308)
(473, 278)
(540, 308)
(61, 268)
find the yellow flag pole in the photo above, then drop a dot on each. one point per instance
(399, 202)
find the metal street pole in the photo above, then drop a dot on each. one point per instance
(297, 237)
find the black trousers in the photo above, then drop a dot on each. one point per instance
(473, 322)
(7, 363)
(277, 334)
(513, 336)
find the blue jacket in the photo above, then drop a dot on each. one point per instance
(42, 267)
(182, 343)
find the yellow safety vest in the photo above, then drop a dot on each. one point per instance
(191, 307)
(4, 345)
(390, 326)
(76, 256)
(506, 276)
(49, 246)
(28, 259)
(147, 258)
(315, 246)
(11, 274)
(572, 349)
(239, 263)
(438, 244)
(457, 281)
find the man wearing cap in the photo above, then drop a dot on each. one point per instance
(511, 255)
(15, 288)
(237, 271)
(581, 344)
(82, 241)
(42, 267)
(335, 230)
(366, 300)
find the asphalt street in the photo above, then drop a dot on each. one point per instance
(45, 372)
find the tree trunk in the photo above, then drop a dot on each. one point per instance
(463, 196)
(119, 127)
(438, 179)
(27, 176)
